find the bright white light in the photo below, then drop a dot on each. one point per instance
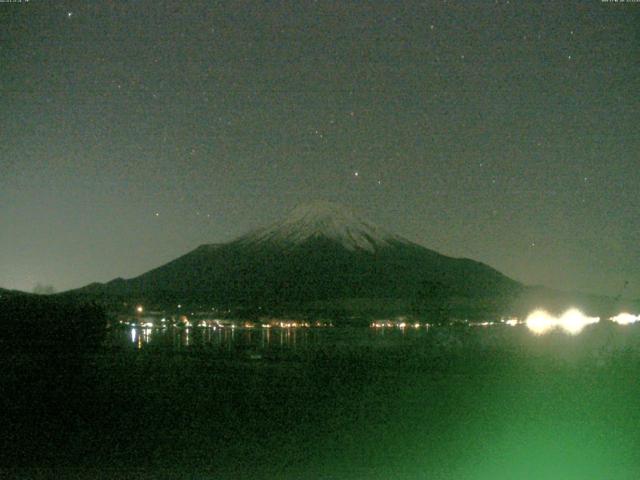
(625, 318)
(512, 322)
(540, 322)
(573, 321)
(139, 309)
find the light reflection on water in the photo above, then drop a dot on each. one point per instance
(254, 338)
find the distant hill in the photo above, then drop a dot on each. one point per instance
(4, 293)
(320, 255)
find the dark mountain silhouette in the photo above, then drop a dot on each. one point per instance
(320, 252)
(5, 293)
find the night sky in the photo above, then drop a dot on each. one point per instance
(133, 131)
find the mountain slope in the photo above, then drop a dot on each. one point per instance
(4, 293)
(319, 252)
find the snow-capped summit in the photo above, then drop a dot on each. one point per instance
(326, 220)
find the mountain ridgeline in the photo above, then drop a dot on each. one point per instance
(320, 254)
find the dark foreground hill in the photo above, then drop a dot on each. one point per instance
(49, 325)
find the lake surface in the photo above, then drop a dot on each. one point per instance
(443, 403)
(258, 338)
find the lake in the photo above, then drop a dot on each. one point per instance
(258, 338)
(494, 402)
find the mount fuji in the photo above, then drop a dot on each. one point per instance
(320, 254)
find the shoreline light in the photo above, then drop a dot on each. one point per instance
(540, 321)
(625, 318)
(512, 322)
(572, 321)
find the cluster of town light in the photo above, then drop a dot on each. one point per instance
(396, 324)
(287, 324)
(539, 322)
(572, 321)
(184, 321)
(625, 319)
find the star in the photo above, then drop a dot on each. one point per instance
(355, 174)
